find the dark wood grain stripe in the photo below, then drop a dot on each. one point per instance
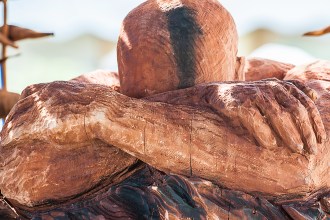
(184, 30)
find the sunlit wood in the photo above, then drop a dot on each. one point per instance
(318, 32)
(16, 33)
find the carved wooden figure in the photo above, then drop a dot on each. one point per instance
(227, 150)
(177, 44)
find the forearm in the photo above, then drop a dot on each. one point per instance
(194, 141)
(188, 137)
(258, 69)
(101, 77)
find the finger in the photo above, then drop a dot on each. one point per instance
(280, 121)
(313, 113)
(241, 116)
(311, 93)
(223, 107)
(256, 124)
(300, 116)
(251, 119)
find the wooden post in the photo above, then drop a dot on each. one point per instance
(4, 48)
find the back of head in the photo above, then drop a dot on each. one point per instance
(166, 45)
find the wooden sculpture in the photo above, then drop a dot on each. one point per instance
(80, 144)
(214, 150)
(188, 43)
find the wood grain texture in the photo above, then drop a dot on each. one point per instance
(72, 150)
(150, 194)
(92, 202)
(259, 68)
(65, 126)
(101, 77)
(162, 41)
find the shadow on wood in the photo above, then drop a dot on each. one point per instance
(7, 101)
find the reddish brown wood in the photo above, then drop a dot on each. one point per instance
(5, 41)
(214, 141)
(150, 194)
(71, 149)
(258, 68)
(149, 59)
(318, 32)
(100, 77)
(16, 33)
(7, 101)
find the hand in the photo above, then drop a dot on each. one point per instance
(216, 137)
(275, 112)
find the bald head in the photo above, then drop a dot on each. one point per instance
(166, 45)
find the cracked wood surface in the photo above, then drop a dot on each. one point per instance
(61, 144)
(65, 126)
(89, 181)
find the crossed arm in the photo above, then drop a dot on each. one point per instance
(265, 136)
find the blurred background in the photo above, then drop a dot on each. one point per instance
(86, 33)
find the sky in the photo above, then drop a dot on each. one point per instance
(70, 18)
